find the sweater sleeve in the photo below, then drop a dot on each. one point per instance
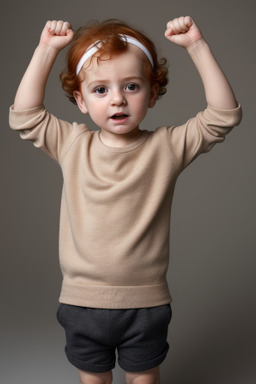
(201, 133)
(45, 131)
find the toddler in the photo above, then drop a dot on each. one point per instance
(118, 184)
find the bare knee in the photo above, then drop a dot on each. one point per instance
(152, 376)
(95, 378)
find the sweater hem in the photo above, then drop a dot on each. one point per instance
(115, 297)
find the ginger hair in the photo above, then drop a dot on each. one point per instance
(108, 33)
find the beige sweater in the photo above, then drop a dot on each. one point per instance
(116, 203)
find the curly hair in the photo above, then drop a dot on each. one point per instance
(108, 33)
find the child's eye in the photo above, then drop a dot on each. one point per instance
(131, 87)
(101, 90)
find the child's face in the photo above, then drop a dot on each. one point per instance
(117, 94)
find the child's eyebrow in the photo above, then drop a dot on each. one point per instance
(135, 78)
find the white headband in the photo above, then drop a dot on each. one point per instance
(96, 46)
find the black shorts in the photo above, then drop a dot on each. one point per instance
(94, 335)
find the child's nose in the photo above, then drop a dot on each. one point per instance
(117, 97)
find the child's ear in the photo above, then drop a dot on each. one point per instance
(80, 101)
(154, 95)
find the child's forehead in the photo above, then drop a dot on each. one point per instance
(131, 60)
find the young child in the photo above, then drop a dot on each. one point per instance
(118, 185)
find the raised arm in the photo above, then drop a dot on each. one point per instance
(184, 32)
(55, 36)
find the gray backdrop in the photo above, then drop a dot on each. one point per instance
(212, 265)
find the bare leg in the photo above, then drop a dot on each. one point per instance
(95, 378)
(152, 376)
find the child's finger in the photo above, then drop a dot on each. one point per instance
(59, 27)
(188, 21)
(48, 26)
(52, 27)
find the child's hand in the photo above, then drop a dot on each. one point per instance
(183, 31)
(57, 34)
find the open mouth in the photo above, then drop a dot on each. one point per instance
(119, 116)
